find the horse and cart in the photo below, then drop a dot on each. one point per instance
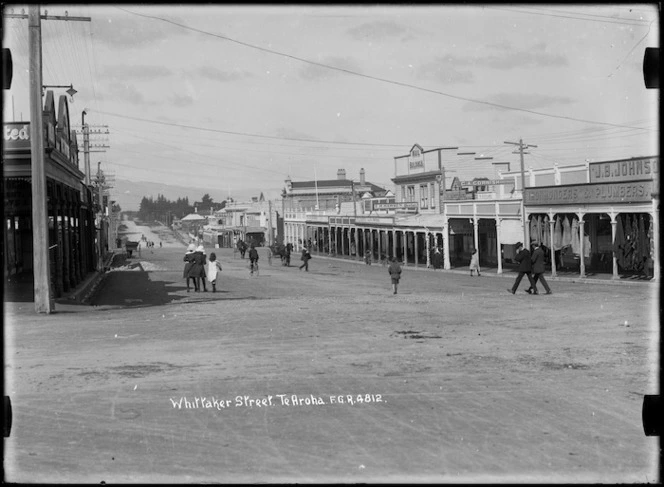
(282, 251)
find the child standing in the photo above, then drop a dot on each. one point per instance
(213, 267)
(475, 263)
(395, 274)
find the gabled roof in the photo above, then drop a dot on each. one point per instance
(193, 217)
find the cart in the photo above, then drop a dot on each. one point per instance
(130, 247)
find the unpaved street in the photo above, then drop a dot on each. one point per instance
(326, 376)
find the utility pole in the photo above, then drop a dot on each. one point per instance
(40, 242)
(270, 232)
(100, 189)
(522, 147)
(40, 239)
(86, 148)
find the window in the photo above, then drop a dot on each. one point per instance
(410, 196)
(416, 152)
(432, 194)
(424, 196)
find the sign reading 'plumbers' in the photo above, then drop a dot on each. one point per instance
(288, 400)
(632, 192)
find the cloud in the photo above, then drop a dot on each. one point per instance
(445, 71)
(139, 72)
(509, 57)
(293, 134)
(313, 72)
(524, 101)
(375, 31)
(223, 76)
(182, 100)
(127, 93)
(126, 31)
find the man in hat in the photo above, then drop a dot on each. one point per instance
(537, 260)
(525, 267)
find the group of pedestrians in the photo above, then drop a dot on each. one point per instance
(532, 266)
(199, 269)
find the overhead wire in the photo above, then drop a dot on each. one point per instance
(521, 10)
(375, 78)
(588, 15)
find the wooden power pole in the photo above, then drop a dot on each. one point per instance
(44, 302)
(40, 244)
(522, 147)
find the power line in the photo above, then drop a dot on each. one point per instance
(632, 50)
(590, 15)
(615, 21)
(245, 134)
(375, 78)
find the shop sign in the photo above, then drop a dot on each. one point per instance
(630, 192)
(646, 168)
(404, 205)
(456, 195)
(374, 220)
(416, 163)
(16, 135)
(487, 182)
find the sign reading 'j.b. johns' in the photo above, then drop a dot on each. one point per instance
(642, 168)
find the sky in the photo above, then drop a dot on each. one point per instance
(240, 98)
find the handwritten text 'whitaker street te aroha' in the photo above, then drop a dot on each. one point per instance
(202, 402)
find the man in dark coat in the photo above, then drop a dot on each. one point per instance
(537, 260)
(525, 267)
(253, 259)
(305, 259)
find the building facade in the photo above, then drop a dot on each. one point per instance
(611, 222)
(73, 235)
(600, 217)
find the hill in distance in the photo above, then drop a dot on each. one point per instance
(128, 194)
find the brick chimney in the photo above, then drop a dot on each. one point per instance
(341, 174)
(362, 176)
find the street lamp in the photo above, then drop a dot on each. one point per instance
(71, 91)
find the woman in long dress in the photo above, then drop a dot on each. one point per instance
(188, 259)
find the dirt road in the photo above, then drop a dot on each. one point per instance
(327, 376)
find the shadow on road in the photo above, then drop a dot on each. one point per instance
(133, 288)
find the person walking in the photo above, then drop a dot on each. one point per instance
(213, 268)
(437, 259)
(537, 260)
(289, 249)
(395, 273)
(253, 259)
(525, 267)
(475, 263)
(197, 271)
(189, 262)
(367, 257)
(306, 256)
